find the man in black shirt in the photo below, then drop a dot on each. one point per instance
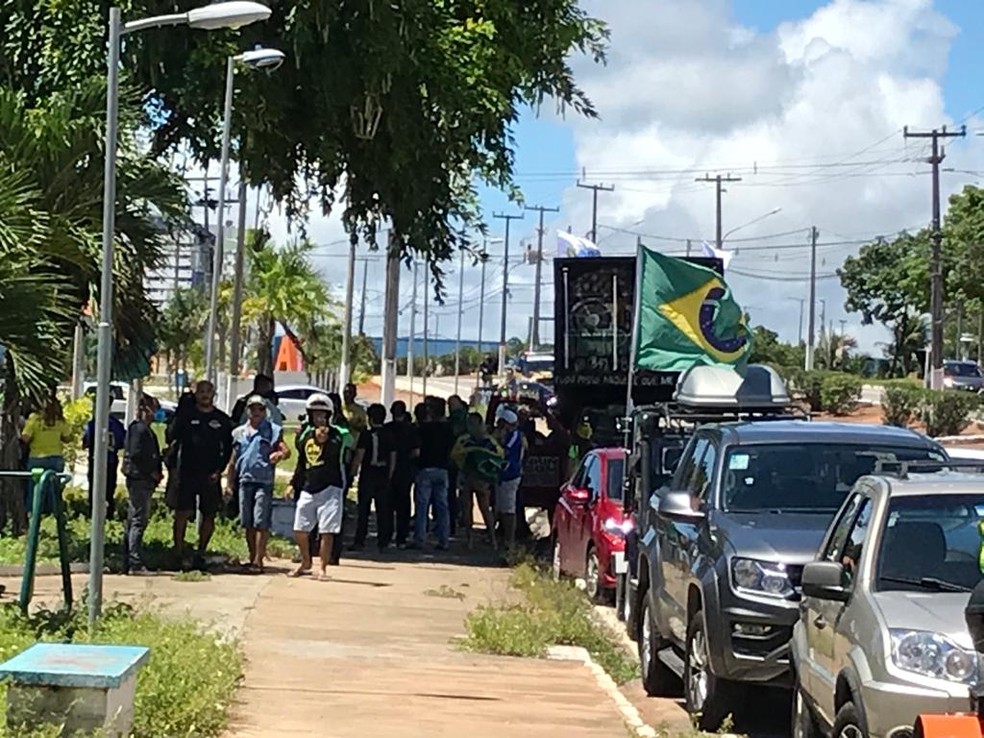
(404, 437)
(204, 438)
(323, 477)
(143, 471)
(431, 483)
(375, 457)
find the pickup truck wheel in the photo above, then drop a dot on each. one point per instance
(707, 698)
(657, 678)
(592, 576)
(803, 723)
(849, 723)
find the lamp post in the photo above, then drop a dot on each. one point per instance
(210, 17)
(257, 58)
(753, 221)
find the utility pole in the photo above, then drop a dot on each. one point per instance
(936, 258)
(235, 342)
(423, 374)
(812, 320)
(391, 319)
(413, 330)
(505, 289)
(362, 307)
(535, 336)
(461, 310)
(718, 180)
(595, 189)
(481, 299)
(689, 246)
(344, 368)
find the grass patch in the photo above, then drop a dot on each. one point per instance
(445, 592)
(191, 576)
(183, 690)
(551, 613)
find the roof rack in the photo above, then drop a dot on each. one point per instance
(901, 469)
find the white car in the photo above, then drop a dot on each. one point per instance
(291, 399)
(119, 392)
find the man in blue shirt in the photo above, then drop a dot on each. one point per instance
(117, 438)
(514, 449)
(258, 446)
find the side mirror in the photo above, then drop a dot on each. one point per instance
(679, 506)
(825, 581)
(578, 496)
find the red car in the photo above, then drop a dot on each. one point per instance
(589, 524)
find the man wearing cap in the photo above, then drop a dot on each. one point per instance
(514, 450)
(258, 446)
(323, 477)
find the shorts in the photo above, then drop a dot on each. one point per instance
(320, 510)
(505, 496)
(256, 505)
(192, 488)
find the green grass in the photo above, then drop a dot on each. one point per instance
(183, 690)
(550, 613)
(445, 592)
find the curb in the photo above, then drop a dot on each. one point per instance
(42, 570)
(630, 715)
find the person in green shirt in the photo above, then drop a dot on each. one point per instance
(479, 457)
(458, 417)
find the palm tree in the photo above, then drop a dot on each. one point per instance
(285, 288)
(182, 326)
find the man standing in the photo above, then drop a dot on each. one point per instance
(143, 471)
(355, 413)
(375, 457)
(431, 483)
(117, 437)
(403, 434)
(258, 446)
(262, 386)
(479, 457)
(514, 450)
(204, 438)
(322, 473)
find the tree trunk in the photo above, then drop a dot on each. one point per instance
(12, 511)
(264, 347)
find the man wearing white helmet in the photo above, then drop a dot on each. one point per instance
(323, 477)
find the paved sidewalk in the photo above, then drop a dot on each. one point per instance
(368, 654)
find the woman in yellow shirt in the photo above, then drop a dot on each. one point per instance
(46, 434)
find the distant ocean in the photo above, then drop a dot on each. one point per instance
(435, 346)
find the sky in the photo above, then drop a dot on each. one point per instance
(805, 101)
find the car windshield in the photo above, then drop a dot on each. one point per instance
(962, 370)
(802, 477)
(932, 543)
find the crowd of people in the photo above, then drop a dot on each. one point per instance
(421, 474)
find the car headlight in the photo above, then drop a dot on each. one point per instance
(761, 577)
(617, 528)
(932, 655)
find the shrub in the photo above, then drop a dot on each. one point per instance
(946, 413)
(901, 403)
(810, 386)
(839, 392)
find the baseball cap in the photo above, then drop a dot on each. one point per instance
(255, 400)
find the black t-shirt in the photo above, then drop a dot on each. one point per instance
(377, 443)
(436, 440)
(403, 436)
(205, 440)
(324, 466)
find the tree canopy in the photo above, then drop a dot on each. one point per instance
(374, 96)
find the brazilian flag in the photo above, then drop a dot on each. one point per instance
(686, 315)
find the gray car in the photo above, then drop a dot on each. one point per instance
(881, 636)
(965, 376)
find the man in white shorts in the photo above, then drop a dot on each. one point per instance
(323, 474)
(514, 448)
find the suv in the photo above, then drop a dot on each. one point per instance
(881, 635)
(723, 547)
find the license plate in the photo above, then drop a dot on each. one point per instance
(621, 565)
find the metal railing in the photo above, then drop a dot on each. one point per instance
(45, 484)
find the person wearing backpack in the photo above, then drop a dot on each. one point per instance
(258, 446)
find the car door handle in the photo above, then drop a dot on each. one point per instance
(820, 622)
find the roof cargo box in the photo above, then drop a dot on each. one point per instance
(757, 388)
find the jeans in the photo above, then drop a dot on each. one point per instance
(55, 464)
(431, 486)
(139, 492)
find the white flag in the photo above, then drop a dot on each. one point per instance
(710, 251)
(569, 245)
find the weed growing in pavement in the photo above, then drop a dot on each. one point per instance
(191, 576)
(184, 688)
(553, 613)
(446, 592)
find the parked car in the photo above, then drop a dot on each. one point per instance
(963, 375)
(588, 523)
(291, 399)
(723, 550)
(120, 391)
(881, 636)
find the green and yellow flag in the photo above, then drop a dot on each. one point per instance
(686, 316)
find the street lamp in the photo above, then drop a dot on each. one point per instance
(751, 222)
(258, 58)
(210, 17)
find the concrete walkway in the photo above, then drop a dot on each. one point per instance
(369, 654)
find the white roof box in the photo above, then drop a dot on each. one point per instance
(759, 388)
